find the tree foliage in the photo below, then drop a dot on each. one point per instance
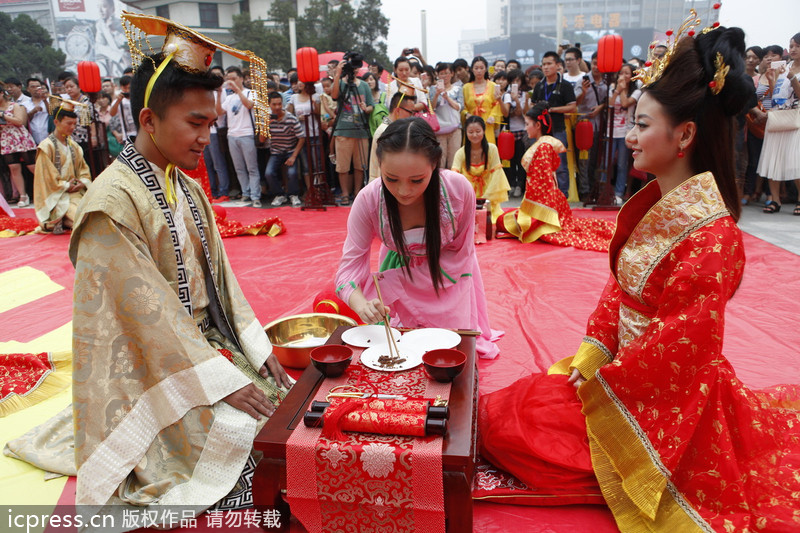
(321, 26)
(271, 45)
(27, 49)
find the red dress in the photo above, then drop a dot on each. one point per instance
(676, 441)
(544, 212)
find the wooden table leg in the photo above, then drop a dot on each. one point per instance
(267, 491)
(457, 502)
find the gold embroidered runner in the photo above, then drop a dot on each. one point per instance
(368, 482)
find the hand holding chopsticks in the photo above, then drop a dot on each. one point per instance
(389, 337)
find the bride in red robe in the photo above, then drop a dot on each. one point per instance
(544, 212)
(661, 422)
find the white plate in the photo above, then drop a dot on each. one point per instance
(412, 355)
(366, 336)
(427, 339)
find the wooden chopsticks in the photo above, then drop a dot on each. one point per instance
(389, 337)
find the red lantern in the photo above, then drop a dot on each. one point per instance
(89, 77)
(609, 53)
(307, 65)
(505, 144)
(584, 134)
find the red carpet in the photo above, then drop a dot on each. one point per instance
(540, 294)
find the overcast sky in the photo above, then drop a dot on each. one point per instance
(447, 18)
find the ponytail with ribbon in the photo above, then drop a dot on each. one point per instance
(546, 120)
(540, 112)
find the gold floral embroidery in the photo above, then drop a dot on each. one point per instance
(333, 455)
(124, 361)
(142, 301)
(87, 285)
(692, 204)
(631, 324)
(378, 459)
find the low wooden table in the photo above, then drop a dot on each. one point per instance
(458, 450)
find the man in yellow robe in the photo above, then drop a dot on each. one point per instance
(61, 176)
(173, 374)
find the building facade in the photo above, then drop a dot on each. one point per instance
(91, 29)
(526, 29)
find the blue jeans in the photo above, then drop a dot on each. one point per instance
(620, 154)
(562, 173)
(217, 168)
(245, 161)
(274, 165)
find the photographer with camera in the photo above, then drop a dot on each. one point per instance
(413, 54)
(351, 129)
(122, 106)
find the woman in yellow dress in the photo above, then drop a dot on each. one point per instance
(482, 97)
(480, 162)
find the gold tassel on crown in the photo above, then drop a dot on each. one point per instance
(193, 52)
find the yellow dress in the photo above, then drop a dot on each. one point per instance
(489, 181)
(484, 105)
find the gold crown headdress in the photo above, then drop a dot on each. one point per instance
(56, 103)
(654, 67)
(192, 52)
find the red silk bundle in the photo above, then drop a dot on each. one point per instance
(349, 417)
(409, 406)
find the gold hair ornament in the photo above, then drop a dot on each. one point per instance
(721, 71)
(654, 66)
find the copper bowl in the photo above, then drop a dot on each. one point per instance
(444, 365)
(293, 337)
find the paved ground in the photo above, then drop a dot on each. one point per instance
(781, 229)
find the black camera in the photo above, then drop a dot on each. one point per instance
(351, 62)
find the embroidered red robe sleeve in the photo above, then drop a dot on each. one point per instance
(602, 333)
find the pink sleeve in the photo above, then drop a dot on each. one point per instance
(462, 199)
(361, 230)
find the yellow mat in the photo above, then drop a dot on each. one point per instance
(24, 285)
(21, 483)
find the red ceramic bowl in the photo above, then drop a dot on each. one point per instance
(331, 359)
(444, 365)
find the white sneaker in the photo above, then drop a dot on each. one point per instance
(296, 202)
(256, 203)
(517, 192)
(618, 200)
(278, 201)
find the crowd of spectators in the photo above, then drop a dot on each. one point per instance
(337, 119)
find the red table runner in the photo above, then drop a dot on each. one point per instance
(368, 482)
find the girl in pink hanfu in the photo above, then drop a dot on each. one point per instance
(425, 218)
